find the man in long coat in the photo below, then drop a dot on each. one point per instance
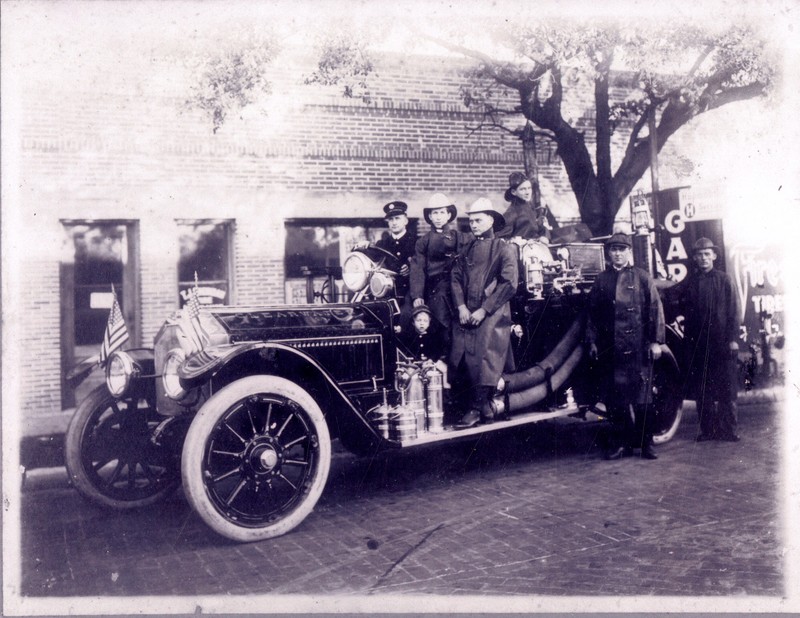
(625, 328)
(710, 306)
(483, 280)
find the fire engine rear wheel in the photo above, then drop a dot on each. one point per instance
(111, 456)
(667, 398)
(256, 458)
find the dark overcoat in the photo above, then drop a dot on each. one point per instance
(434, 254)
(522, 220)
(403, 249)
(484, 275)
(625, 316)
(710, 306)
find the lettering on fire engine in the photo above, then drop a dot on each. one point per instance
(674, 224)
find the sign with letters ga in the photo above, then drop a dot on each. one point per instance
(679, 222)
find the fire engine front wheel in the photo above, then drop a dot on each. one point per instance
(667, 398)
(256, 458)
(118, 453)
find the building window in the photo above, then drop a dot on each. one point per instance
(315, 251)
(206, 248)
(98, 256)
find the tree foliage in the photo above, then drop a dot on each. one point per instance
(671, 72)
(231, 76)
(344, 59)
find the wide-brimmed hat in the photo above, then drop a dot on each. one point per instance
(618, 239)
(395, 208)
(704, 243)
(484, 204)
(515, 179)
(439, 200)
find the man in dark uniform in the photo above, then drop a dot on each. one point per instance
(400, 243)
(624, 330)
(710, 306)
(483, 279)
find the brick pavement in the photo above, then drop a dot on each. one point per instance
(535, 513)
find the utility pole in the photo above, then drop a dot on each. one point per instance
(530, 161)
(643, 251)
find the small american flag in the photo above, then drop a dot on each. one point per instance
(194, 330)
(116, 331)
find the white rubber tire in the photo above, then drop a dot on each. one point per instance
(197, 441)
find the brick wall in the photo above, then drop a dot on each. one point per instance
(126, 148)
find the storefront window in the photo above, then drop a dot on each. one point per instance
(205, 249)
(316, 250)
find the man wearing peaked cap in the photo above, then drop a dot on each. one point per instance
(624, 330)
(709, 302)
(393, 209)
(483, 281)
(618, 239)
(400, 243)
(433, 260)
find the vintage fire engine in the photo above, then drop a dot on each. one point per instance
(246, 420)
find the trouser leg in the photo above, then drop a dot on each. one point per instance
(706, 412)
(460, 389)
(728, 418)
(642, 434)
(620, 427)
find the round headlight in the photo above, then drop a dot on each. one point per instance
(119, 370)
(169, 377)
(355, 271)
(380, 285)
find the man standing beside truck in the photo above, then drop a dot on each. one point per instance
(624, 330)
(483, 280)
(708, 300)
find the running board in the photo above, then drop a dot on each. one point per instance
(451, 432)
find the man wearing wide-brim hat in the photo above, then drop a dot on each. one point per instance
(483, 281)
(708, 300)
(434, 254)
(624, 330)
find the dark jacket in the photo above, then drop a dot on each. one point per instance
(403, 250)
(428, 346)
(625, 316)
(433, 260)
(521, 220)
(710, 305)
(484, 275)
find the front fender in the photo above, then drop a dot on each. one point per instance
(227, 363)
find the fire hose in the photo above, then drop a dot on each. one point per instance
(551, 364)
(525, 398)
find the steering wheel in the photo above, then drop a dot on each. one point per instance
(378, 254)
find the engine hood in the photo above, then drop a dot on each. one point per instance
(300, 321)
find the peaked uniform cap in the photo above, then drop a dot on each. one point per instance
(618, 239)
(439, 200)
(395, 208)
(421, 309)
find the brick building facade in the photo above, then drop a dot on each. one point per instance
(122, 150)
